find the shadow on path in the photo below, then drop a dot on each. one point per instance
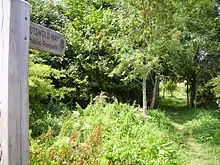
(176, 109)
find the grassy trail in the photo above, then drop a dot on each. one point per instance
(196, 153)
(200, 154)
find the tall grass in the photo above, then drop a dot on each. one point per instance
(205, 127)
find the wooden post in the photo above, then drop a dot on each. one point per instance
(14, 47)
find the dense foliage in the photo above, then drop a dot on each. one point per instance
(109, 134)
(113, 45)
(116, 133)
(127, 50)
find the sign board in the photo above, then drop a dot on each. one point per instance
(45, 39)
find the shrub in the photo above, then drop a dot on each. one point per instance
(205, 128)
(109, 134)
(50, 116)
(157, 117)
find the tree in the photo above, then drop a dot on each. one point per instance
(143, 42)
(126, 47)
(196, 25)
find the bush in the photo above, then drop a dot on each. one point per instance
(170, 86)
(50, 116)
(44, 96)
(205, 128)
(157, 117)
(109, 134)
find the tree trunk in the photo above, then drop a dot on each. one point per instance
(164, 90)
(158, 88)
(154, 93)
(144, 88)
(187, 92)
(193, 91)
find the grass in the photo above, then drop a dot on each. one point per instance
(201, 154)
(197, 126)
(196, 152)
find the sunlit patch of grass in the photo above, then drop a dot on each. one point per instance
(201, 153)
(200, 129)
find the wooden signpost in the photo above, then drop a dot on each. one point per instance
(16, 35)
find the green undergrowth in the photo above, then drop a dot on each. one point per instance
(116, 134)
(200, 129)
(110, 134)
(205, 127)
(202, 134)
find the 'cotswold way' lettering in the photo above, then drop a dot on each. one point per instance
(55, 38)
(39, 33)
(45, 39)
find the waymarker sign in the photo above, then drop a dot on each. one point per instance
(45, 39)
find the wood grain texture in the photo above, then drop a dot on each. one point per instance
(14, 44)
